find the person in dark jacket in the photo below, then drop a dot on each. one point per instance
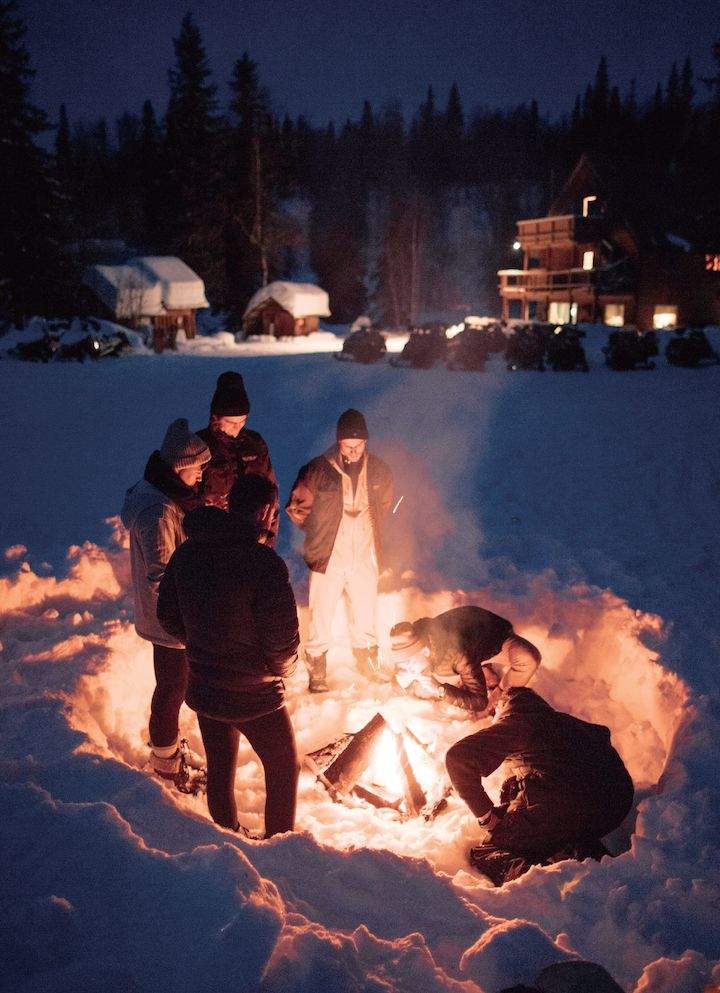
(340, 500)
(236, 451)
(153, 513)
(479, 647)
(228, 597)
(569, 787)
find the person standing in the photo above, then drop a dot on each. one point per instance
(228, 597)
(153, 513)
(340, 499)
(236, 451)
(471, 642)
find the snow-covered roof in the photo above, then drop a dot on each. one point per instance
(299, 299)
(126, 290)
(146, 286)
(181, 287)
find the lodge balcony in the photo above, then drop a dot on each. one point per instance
(560, 231)
(545, 280)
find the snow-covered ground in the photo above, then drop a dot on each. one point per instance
(583, 507)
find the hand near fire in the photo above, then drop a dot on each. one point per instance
(424, 688)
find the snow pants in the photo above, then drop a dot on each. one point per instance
(358, 583)
(171, 677)
(273, 741)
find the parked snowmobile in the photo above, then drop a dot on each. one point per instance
(366, 345)
(564, 351)
(87, 342)
(34, 346)
(690, 348)
(468, 350)
(627, 349)
(526, 348)
(423, 349)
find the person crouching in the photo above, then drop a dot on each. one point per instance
(229, 598)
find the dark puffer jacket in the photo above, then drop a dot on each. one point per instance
(316, 505)
(563, 766)
(231, 458)
(230, 601)
(460, 640)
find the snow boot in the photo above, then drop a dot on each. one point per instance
(179, 765)
(368, 664)
(317, 669)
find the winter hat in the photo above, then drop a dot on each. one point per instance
(182, 449)
(351, 424)
(404, 642)
(230, 398)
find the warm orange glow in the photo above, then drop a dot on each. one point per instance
(712, 263)
(586, 204)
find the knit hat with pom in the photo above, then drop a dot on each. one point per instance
(182, 449)
(230, 398)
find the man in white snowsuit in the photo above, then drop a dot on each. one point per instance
(340, 500)
(153, 513)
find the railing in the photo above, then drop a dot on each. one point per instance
(544, 280)
(564, 229)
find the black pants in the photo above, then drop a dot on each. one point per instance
(171, 676)
(273, 740)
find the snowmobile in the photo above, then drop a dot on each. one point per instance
(690, 348)
(423, 349)
(496, 338)
(86, 342)
(564, 351)
(366, 345)
(468, 350)
(526, 348)
(627, 349)
(35, 348)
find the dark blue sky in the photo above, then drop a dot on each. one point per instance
(321, 58)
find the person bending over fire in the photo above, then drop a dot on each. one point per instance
(228, 597)
(340, 500)
(236, 451)
(479, 647)
(569, 787)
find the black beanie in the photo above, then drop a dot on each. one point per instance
(230, 398)
(351, 424)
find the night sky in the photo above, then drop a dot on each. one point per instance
(322, 58)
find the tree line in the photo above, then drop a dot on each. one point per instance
(404, 217)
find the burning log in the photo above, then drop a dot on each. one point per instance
(350, 764)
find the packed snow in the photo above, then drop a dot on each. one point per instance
(582, 507)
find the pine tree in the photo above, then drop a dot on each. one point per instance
(29, 255)
(191, 226)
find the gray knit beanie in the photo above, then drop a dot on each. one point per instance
(182, 449)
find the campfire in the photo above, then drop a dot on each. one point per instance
(384, 767)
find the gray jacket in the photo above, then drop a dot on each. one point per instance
(155, 523)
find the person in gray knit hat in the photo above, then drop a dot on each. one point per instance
(153, 513)
(341, 500)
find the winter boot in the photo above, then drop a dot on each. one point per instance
(180, 766)
(166, 760)
(368, 664)
(317, 668)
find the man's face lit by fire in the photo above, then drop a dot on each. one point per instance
(352, 449)
(191, 475)
(231, 426)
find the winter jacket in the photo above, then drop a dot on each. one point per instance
(230, 600)
(557, 760)
(316, 504)
(155, 522)
(460, 640)
(231, 458)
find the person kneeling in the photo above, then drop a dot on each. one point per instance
(229, 599)
(569, 788)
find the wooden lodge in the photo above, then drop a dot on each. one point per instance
(587, 262)
(285, 309)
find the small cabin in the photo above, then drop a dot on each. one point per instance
(159, 290)
(285, 310)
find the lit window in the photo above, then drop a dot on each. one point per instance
(614, 314)
(588, 258)
(665, 316)
(559, 312)
(586, 204)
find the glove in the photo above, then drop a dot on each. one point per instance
(424, 688)
(488, 822)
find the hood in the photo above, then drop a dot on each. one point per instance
(212, 525)
(140, 498)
